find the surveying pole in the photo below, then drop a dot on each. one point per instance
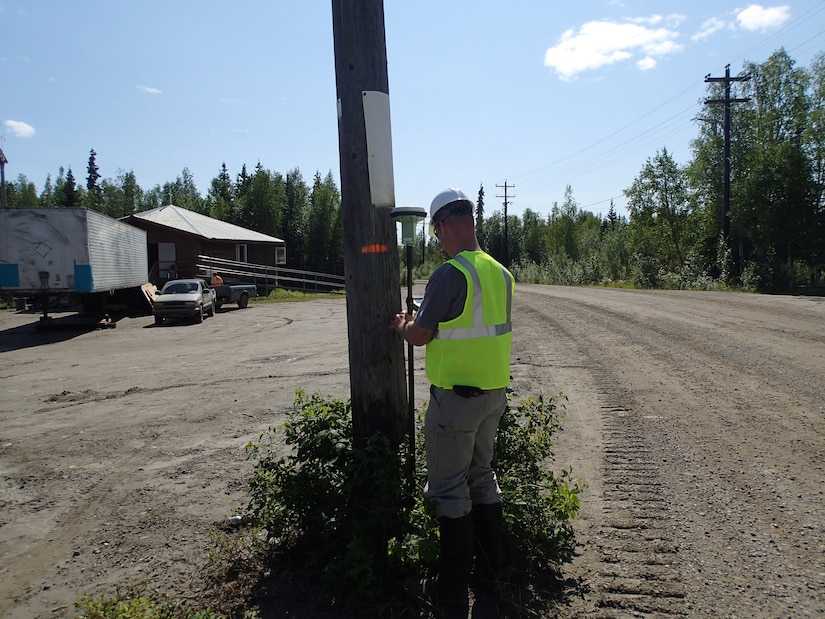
(409, 216)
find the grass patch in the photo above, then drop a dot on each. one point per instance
(137, 603)
(279, 295)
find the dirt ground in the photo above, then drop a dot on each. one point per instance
(697, 421)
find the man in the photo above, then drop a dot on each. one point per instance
(465, 322)
(217, 280)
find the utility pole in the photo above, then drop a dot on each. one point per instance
(506, 235)
(726, 158)
(3, 162)
(371, 263)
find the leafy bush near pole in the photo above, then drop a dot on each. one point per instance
(341, 510)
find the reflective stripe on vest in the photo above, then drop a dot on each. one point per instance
(479, 329)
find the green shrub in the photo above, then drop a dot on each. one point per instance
(345, 508)
(327, 503)
(538, 504)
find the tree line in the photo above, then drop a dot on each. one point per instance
(674, 233)
(307, 217)
(672, 237)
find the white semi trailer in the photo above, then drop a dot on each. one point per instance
(48, 253)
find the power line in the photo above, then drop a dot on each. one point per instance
(640, 143)
(614, 133)
(547, 175)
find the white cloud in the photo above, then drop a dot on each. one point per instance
(759, 18)
(672, 21)
(600, 43)
(148, 90)
(754, 18)
(645, 64)
(19, 129)
(650, 21)
(709, 27)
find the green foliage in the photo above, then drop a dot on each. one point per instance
(539, 505)
(329, 501)
(324, 227)
(558, 269)
(660, 210)
(319, 497)
(93, 197)
(134, 603)
(646, 272)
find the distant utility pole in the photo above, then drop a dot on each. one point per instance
(376, 353)
(3, 162)
(726, 160)
(505, 186)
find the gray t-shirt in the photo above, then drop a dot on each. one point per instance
(443, 298)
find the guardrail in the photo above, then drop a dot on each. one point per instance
(266, 278)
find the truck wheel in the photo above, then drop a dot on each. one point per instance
(212, 309)
(158, 320)
(199, 317)
(243, 301)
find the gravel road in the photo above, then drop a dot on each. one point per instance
(697, 421)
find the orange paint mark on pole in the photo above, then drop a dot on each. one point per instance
(375, 248)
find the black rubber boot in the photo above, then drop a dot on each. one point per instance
(449, 593)
(489, 533)
(455, 564)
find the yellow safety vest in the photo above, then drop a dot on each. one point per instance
(473, 349)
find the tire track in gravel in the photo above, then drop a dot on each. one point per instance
(711, 418)
(629, 563)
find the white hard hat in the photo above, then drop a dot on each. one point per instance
(447, 197)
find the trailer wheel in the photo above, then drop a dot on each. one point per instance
(158, 320)
(243, 301)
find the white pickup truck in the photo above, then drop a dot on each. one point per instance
(184, 298)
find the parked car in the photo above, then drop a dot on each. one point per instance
(184, 298)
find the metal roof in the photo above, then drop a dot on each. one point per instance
(173, 216)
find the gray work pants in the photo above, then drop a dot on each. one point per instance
(459, 437)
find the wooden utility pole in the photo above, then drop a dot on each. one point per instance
(371, 263)
(726, 157)
(506, 231)
(3, 162)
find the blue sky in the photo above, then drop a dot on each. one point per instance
(535, 94)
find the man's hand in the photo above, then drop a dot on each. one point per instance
(404, 324)
(398, 321)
